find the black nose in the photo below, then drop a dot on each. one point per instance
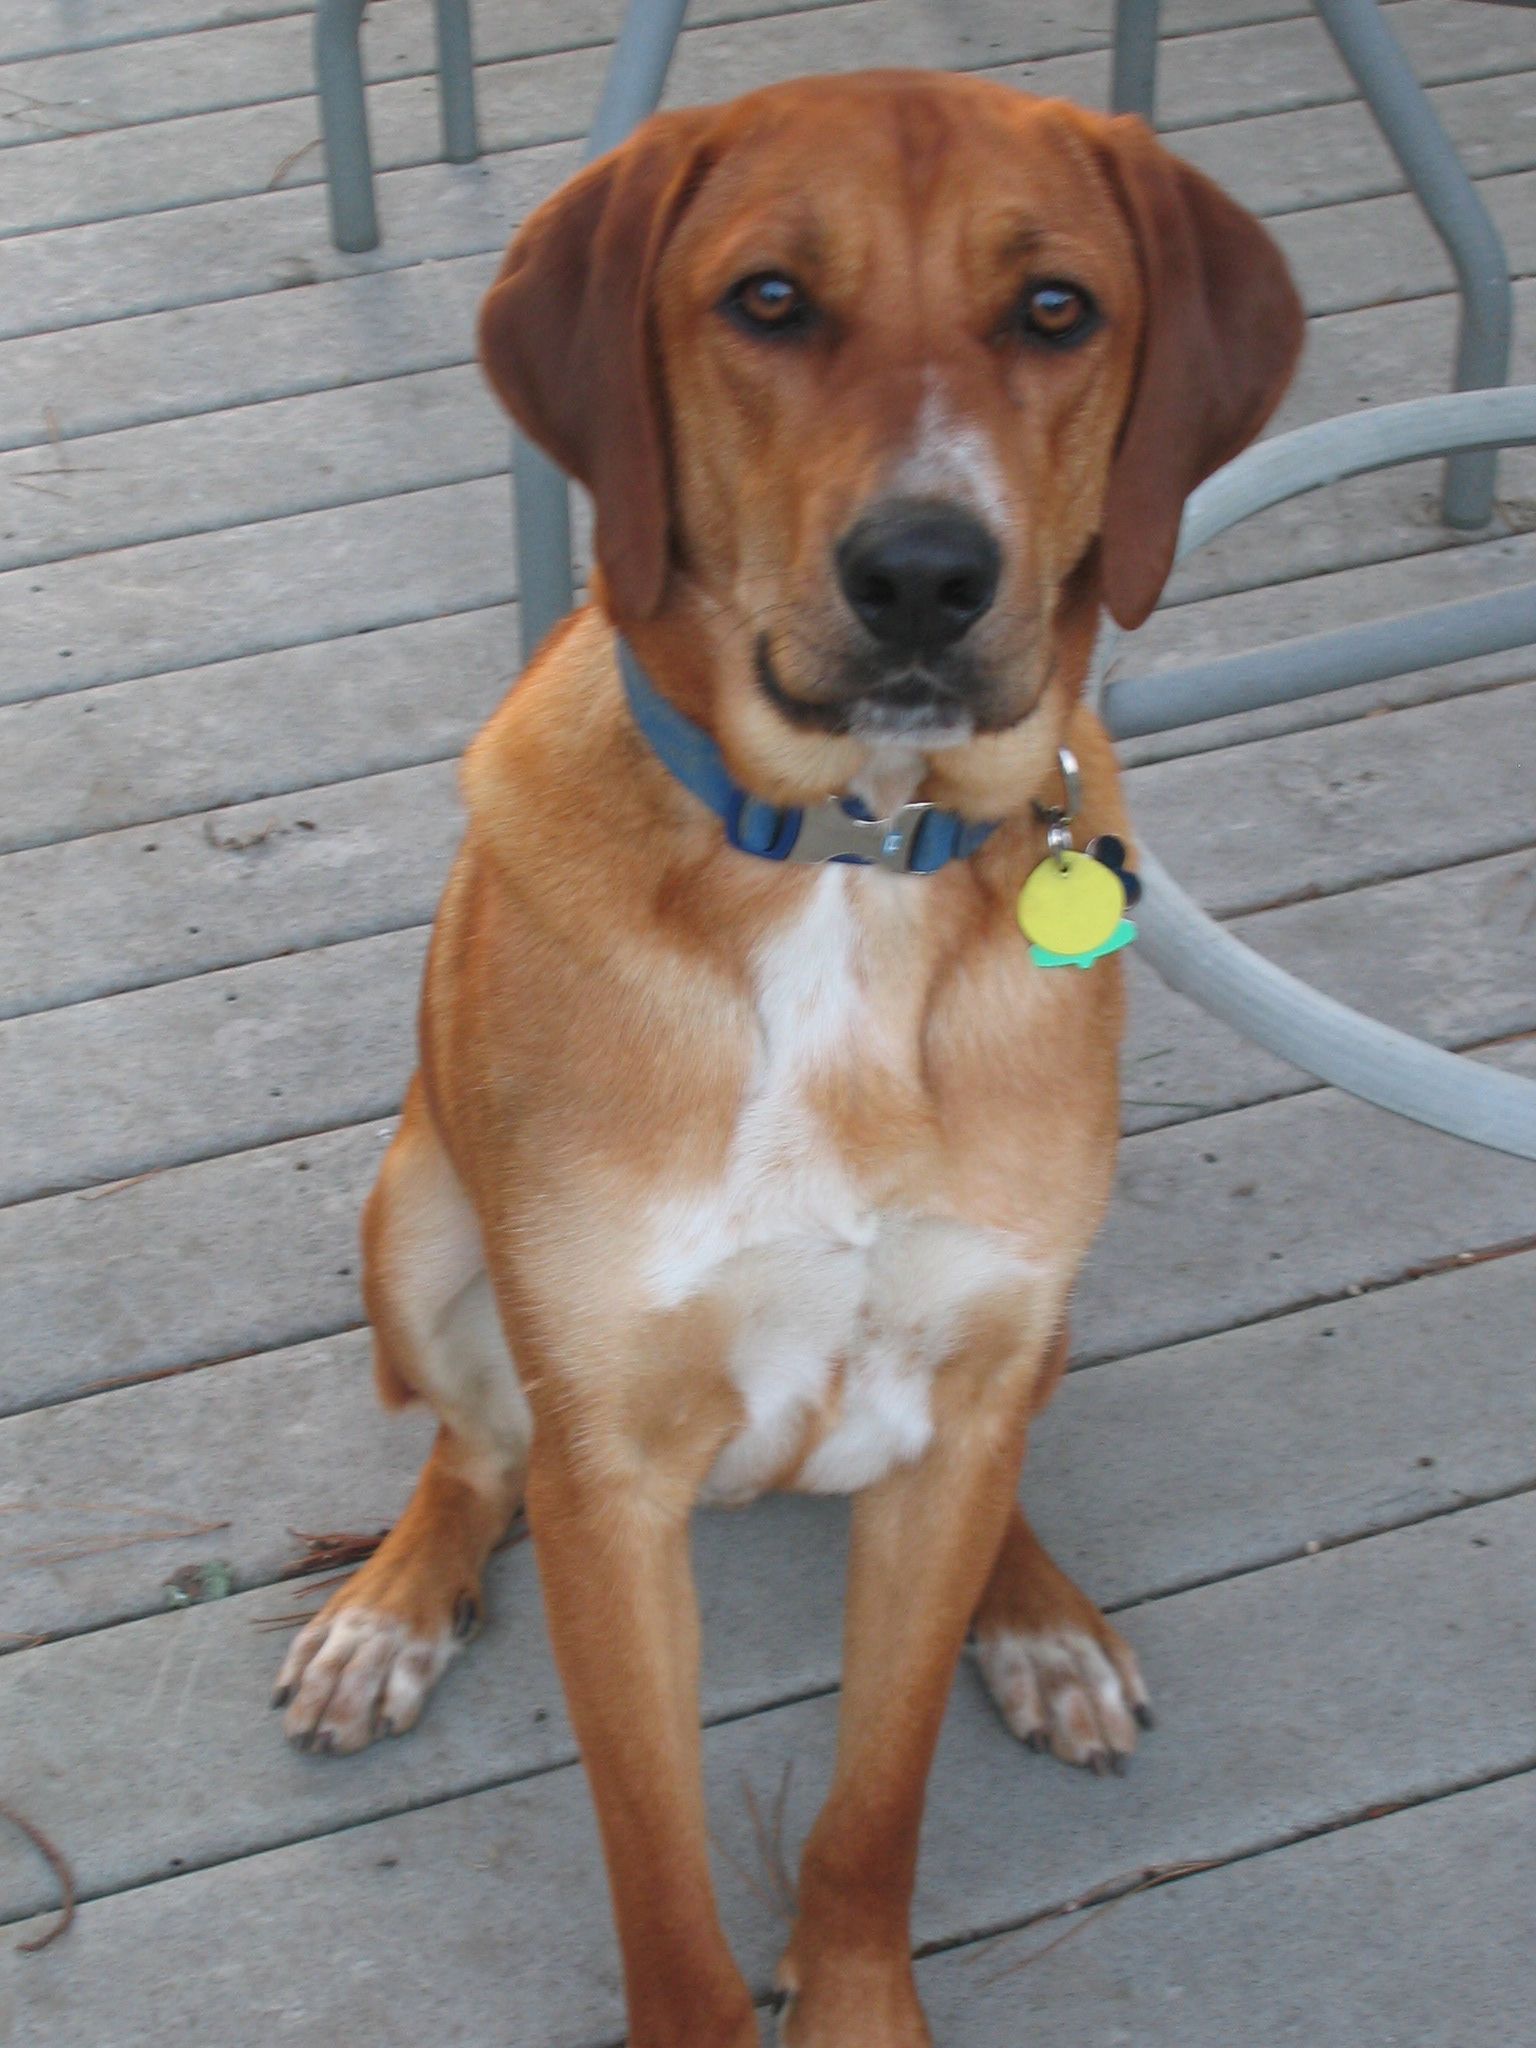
(918, 574)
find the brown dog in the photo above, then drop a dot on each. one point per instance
(766, 1173)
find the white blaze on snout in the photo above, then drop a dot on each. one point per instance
(952, 458)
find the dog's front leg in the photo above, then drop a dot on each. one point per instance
(609, 1515)
(923, 1542)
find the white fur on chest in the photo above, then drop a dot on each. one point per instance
(842, 1312)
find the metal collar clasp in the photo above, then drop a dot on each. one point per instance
(828, 832)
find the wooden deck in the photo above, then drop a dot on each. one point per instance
(255, 592)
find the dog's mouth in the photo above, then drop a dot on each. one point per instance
(914, 706)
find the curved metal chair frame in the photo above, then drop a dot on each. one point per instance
(1192, 952)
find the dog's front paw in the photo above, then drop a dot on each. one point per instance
(358, 1671)
(1073, 1691)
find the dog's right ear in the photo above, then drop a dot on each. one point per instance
(565, 339)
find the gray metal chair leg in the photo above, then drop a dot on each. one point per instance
(456, 81)
(1403, 113)
(1133, 82)
(344, 124)
(545, 585)
(637, 71)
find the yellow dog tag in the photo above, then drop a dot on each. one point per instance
(1072, 910)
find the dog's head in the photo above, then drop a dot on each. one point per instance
(880, 386)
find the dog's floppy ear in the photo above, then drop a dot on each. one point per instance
(565, 339)
(1222, 331)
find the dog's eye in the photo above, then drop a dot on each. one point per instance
(769, 303)
(1058, 313)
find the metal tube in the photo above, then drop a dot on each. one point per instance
(1324, 453)
(1137, 705)
(1133, 78)
(1300, 1024)
(542, 499)
(456, 81)
(1407, 120)
(637, 71)
(344, 124)
(1191, 951)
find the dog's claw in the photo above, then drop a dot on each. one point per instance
(281, 1695)
(1145, 1718)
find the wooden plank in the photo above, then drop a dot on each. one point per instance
(1150, 1474)
(1269, 615)
(271, 64)
(267, 41)
(242, 245)
(1246, 64)
(192, 893)
(246, 1056)
(1443, 955)
(178, 603)
(39, 28)
(262, 725)
(233, 731)
(218, 1063)
(1255, 1750)
(1223, 1221)
(400, 434)
(1234, 1218)
(197, 359)
(208, 1261)
(1325, 1940)
(255, 727)
(274, 241)
(124, 170)
(241, 1454)
(1264, 69)
(1374, 250)
(250, 464)
(1296, 161)
(1311, 813)
(349, 329)
(1395, 514)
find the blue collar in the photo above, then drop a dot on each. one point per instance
(918, 839)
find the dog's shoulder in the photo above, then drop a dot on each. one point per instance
(561, 713)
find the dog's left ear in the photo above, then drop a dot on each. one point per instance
(565, 339)
(1223, 328)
